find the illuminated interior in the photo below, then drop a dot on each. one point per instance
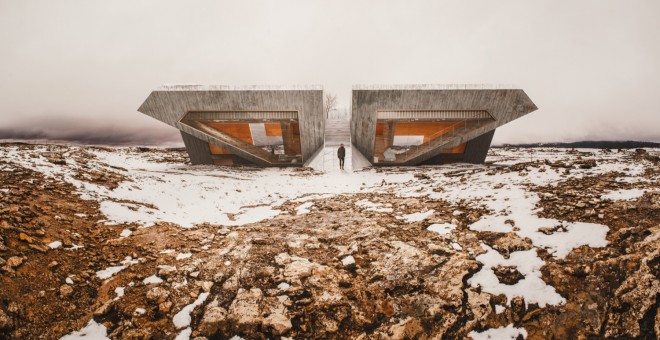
(404, 134)
(273, 136)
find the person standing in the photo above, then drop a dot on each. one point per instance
(341, 153)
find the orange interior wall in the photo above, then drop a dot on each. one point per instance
(273, 129)
(216, 150)
(430, 130)
(238, 130)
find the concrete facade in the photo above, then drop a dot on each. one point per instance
(477, 109)
(175, 105)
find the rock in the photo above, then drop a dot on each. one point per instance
(157, 295)
(5, 321)
(14, 261)
(213, 317)
(66, 290)
(104, 309)
(409, 328)
(166, 271)
(53, 264)
(2, 261)
(278, 323)
(206, 286)
(165, 306)
(25, 238)
(295, 267)
(245, 309)
(509, 275)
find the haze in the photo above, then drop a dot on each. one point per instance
(78, 70)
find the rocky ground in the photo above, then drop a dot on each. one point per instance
(136, 244)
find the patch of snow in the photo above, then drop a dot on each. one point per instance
(499, 309)
(532, 287)
(92, 331)
(442, 228)
(304, 208)
(283, 286)
(167, 251)
(182, 318)
(624, 194)
(416, 217)
(125, 233)
(456, 246)
(348, 260)
(139, 311)
(184, 334)
(120, 292)
(68, 280)
(152, 279)
(500, 333)
(183, 256)
(377, 207)
(74, 247)
(109, 272)
(55, 245)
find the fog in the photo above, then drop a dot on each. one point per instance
(78, 70)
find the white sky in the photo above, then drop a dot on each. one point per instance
(84, 67)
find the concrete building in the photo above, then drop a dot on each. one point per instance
(226, 125)
(431, 124)
(285, 126)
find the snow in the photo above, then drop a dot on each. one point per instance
(532, 287)
(109, 272)
(139, 311)
(55, 245)
(456, 246)
(441, 228)
(500, 333)
(416, 217)
(167, 251)
(120, 292)
(499, 309)
(152, 279)
(182, 319)
(377, 207)
(304, 208)
(183, 256)
(92, 331)
(348, 260)
(624, 194)
(125, 233)
(68, 280)
(283, 286)
(184, 334)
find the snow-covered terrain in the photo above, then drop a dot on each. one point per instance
(153, 190)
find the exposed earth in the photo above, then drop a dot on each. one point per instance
(134, 243)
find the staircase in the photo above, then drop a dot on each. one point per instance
(447, 139)
(337, 132)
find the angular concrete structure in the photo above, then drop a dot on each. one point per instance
(431, 124)
(226, 125)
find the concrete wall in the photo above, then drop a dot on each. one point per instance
(475, 152)
(170, 104)
(198, 150)
(503, 104)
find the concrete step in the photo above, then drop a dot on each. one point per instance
(337, 132)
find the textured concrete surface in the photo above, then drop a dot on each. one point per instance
(503, 103)
(170, 104)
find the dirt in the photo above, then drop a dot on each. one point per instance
(341, 271)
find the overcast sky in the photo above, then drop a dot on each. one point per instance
(80, 69)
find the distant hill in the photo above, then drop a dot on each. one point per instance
(587, 145)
